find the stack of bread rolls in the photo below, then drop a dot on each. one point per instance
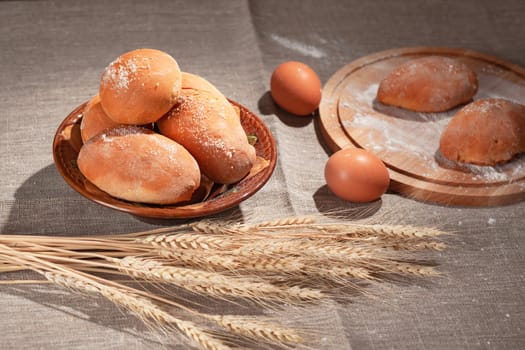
(153, 133)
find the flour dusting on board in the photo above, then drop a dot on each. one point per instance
(410, 137)
(395, 138)
(368, 96)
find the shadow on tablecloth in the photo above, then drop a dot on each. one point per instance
(45, 204)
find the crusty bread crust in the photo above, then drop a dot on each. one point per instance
(94, 119)
(196, 82)
(485, 132)
(140, 86)
(209, 127)
(139, 165)
(428, 84)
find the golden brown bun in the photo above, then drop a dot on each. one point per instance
(138, 165)
(192, 81)
(485, 132)
(428, 84)
(209, 127)
(140, 86)
(94, 119)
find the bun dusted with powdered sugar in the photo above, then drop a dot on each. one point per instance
(94, 119)
(140, 86)
(485, 132)
(428, 84)
(208, 126)
(139, 165)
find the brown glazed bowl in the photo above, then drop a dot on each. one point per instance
(67, 144)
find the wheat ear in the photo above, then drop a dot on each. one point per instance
(410, 269)
(245, 326)
(208, 261)
(138, 305)
(118, 294)
(188, 241)
(212, 283)
(216, 261)
(273, 225)
(413, 246)
(257, 329)
(270, 266)
(317, 248)
(270, 225)
(386, 231)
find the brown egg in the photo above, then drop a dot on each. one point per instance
(296, 88)
(356, 175)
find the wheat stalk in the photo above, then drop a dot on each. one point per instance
(266, 264)
(120, 295)
(339, 272)
(270, 225)
(413, 246)
(208, 261)
(144, 308)
(188, 241)
(284, 222)
(257, 329)
(212, 283)
(410, 269)
(319, 248)
(138, 305)
(212, 229)
(385, 231)
(287, 260)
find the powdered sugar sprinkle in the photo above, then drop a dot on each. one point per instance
(122, 71)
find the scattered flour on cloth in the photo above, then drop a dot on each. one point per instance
(302, 48)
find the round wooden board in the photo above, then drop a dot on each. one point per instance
(407, 141)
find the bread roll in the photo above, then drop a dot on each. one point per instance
(485, 132)
(428, 84)
(209, 127)
(138, 165)
(140, 86)
(94, 119)
(195, 82)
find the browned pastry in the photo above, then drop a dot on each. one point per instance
(139, 165)
(196, 82)
(94, 119)
(428, 84)
(140, 86)
(485, 132)
(209, 127)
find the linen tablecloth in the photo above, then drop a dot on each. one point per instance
(52, 54)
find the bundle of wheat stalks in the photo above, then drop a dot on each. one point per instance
(294, 260)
